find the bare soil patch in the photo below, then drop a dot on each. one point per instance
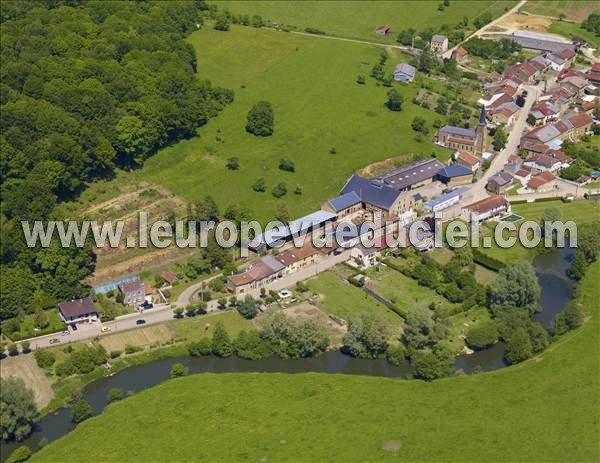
(382, 166)
(528, 22)
(25, 367)
(140, 337)
(392, 445)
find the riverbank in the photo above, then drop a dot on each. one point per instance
(549, 401)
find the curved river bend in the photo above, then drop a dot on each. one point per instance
(556, 293)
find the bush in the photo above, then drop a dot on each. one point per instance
(81, 411)
(396, 355)
(115, 354)
(279, 190)
(178, 370)
(21, 454)
(248, 308)
(519, 346)
(249, 345)
(260, 119)
(115, 394)
(287, 165)
(221, 344)
(567, 320)
(482, 335)
(129, 349)
(198, 348)
(44, 358)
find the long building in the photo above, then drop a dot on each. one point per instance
(536, 44)
(411, 176)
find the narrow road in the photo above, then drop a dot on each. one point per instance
(343, 39)
(186, 295)
(514, 137)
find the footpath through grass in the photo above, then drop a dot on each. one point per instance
(545, 409)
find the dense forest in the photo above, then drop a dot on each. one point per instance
(86, 87)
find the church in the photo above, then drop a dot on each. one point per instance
(461, 139)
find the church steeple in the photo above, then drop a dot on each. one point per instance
(480, 132)
(482, 119)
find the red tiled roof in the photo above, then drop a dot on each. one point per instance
(487, 204)
(581, 120)
(295, 255)
(169, 277)
(463, 141)
(522, 173)
(257, 270)
(467, 158)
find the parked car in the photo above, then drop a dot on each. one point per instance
(54, 341)
(105, 329)
(141, 321)
(65, 333)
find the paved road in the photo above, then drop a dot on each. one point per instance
(158, 314)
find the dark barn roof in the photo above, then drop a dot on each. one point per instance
(405, 176)
(371, 191)
(77, 307)
(344, 201)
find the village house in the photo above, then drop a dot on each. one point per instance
(545, 112)
(460, 55)
(439, 44)
(383, 30)
(466, 159)
(169, 278)
(445, 201)
(561, 59)
(297, 258)
(487, 208)
(587, 104)
(368, 256)
(505, 114)
(572, 126)
(455, 175)
(499, 183)
(256, 275)
(134, 292)
(542, 162)
(542, 182)
(404, 73)
(575, 85)
(593, 74)
(78, 311)
(522, 176)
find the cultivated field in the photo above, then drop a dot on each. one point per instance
(541, 410)
(140, 337)
(311, 84)
(25, 367)
(356, 19)
(576, 10)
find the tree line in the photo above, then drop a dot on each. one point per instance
(86, 87)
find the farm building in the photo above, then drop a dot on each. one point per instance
(455, 174)
(414, 175)
(404, 72)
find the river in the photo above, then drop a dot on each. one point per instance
(556, 292)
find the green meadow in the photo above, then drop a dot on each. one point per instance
(357, 19)
(570, 30)
(544, 409)
(311, 84)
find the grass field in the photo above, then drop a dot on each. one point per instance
(347, 301)
(569, 30)
(576, 10)
(581, 212)
(317, 104)
(544, 409)
(193, 329)
(357, 19)
(403, 291)
(482, 274)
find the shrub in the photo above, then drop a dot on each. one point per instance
(260, 119)
(178, 370)
(44, 358)
(279, 190)
(482, 335)
(287, 165)
(395, 355)
(21, 454)
(198, 348)
(249, 345)
(81, 411)
(114, 394)
(248, 308)
(130, 349)
(221, 344)
(115, 354)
